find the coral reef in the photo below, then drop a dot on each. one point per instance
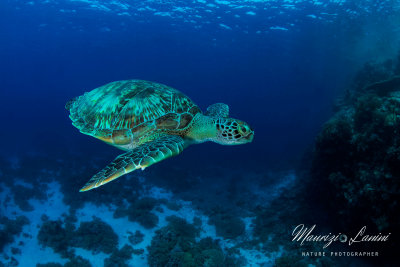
(175, 245)
(21, 196)
(173, 205)
(78, 262)
(227, 224)
(135, 238)
(376, 72)
(140, 211)
(95, 235)
(73, 262)
(10, 228)
(356, 163)
(15, 250)
(378, 78)
(119, 257)
(290, 261)
(138, 251)
(54, 235)
(50, 264)
(40, 169)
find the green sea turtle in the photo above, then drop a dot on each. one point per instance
(151, 122)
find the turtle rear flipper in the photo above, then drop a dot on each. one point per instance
(68, 105)
(139, 158)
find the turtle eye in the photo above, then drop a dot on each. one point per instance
(243, 129)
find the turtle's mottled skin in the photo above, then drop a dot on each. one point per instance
(151, 122)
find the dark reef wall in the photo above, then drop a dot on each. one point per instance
(356, 162)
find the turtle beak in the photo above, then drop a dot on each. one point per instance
(250, 136)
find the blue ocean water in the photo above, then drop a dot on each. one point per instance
(279, 65)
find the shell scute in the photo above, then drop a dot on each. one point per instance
(168, 121)
(119, 111)
(185, 120)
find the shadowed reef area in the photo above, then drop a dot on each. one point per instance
(355, 169)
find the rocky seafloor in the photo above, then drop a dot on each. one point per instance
(44, 222)
(216, 216)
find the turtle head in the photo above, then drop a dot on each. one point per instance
(225, 130)
(232, 132)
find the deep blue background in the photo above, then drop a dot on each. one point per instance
(283, 83)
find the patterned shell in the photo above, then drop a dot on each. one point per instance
(120, 111)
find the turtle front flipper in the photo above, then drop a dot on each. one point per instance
(139, 158)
